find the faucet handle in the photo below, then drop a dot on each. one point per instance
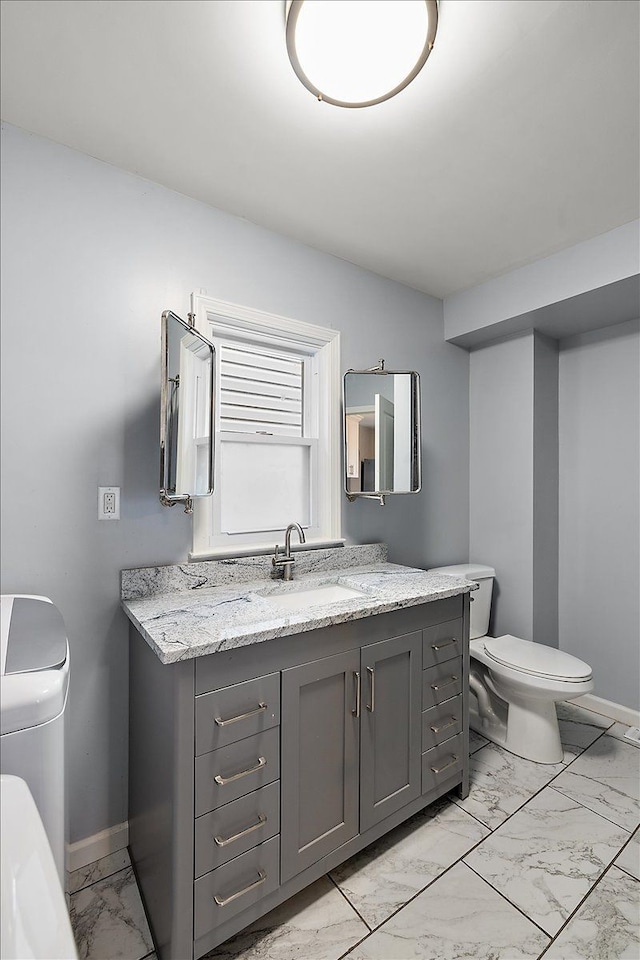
(278, 561)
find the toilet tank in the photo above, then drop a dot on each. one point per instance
(480, 598)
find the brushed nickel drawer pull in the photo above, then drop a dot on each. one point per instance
(371, 706)
(446, 643)
(262, 876)
(451, 763)
(238, 776)
(356, 679)
(451, 722)
(223, 841)
(445, 683)
(243, 716)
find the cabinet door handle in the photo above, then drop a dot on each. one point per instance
(356, 678)
(445, 683)
(451, 763)
(262, 876)
(238, 776)
(242, 716)
(445, 643)
(372, 689)
(451, 722)
(223, 841)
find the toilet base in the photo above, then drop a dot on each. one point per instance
(535, 727)
(529, 732)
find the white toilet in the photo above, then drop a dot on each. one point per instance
(516, 683)
(34, 923)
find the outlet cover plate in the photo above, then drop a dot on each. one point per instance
(108, 503)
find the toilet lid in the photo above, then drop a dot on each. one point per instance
(536, 659)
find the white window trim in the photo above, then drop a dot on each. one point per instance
(326, 345)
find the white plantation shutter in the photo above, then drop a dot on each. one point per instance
(277, 435)
(261, 391)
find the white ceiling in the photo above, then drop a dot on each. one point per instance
(519, 138)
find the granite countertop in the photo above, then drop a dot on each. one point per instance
(196, 609)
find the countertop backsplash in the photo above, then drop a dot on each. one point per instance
(144, 582)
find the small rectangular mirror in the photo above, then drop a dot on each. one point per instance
(186, 413)
(382, 433)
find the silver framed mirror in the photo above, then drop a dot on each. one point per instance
(382, 433)
(187, 406)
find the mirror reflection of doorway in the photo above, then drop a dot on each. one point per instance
(361, 449)
(371, 446)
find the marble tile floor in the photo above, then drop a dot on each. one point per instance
(540, 861)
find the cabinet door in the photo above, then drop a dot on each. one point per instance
(390, 765)
(319, 778)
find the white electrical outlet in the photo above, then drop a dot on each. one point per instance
(108, 503)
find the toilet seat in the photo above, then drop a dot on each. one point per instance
(536, 659)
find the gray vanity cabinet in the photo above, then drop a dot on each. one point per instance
(351, 746)
(256, 770)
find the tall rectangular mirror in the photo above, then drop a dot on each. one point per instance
(186, 413)
(382, 433)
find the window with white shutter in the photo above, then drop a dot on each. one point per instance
(260, 391)
(277, 431)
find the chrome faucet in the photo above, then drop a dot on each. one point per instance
(286, 561)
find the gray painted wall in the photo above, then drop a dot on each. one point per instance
(599, 507)
(513, 397)
(91, 257)
(545, 490)
(501, 477)
(555, 495)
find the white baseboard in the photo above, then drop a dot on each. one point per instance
(83, 852)
(606, 708)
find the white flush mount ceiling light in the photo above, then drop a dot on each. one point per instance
(356, 53)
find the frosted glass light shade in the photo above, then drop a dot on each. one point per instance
(355, 53)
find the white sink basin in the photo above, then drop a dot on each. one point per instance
(316, 596)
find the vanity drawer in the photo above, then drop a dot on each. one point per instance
(441, 642)
(239, 768)
(442, 763)
(236, 827)
(236, 712)
(441, 682)
(441, 722)
(236, 885)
